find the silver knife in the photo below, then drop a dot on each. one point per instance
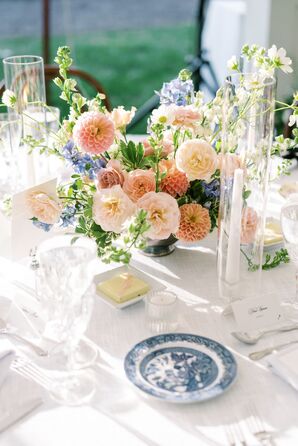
(19, 412)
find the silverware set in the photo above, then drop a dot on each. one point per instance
(235, 432)
(26, 368)
(11, 333)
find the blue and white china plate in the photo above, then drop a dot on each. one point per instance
(181, 367)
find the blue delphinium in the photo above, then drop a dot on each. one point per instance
(67, 217)
(211, 189)
(82, 163)
(178, 92)
(40, 225)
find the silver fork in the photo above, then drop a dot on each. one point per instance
(29, 370)
(257, 428)
(4, 330)
(235, 435)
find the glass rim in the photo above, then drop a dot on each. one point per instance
(156, 292)
(54, 243)
(292, 200)
(267, 81)
(10, 60)
(11, 117)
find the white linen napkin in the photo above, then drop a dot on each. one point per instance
(7, 355)
(284, 364)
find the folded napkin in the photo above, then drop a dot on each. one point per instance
(18, 395)
(284, 364)
(7, 355)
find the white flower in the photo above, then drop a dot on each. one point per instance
(232, 64)
(293, 120)
(9, 98)
(165, 114)
(112, 208)
(279, 57)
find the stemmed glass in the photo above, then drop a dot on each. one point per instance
(289, 224)
(64, 279)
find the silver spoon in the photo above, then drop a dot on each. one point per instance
(8, 332)
(255, 356)
(248, 338)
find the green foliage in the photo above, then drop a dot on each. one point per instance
(132, 155)
(271, 262)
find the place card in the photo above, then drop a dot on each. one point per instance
(257, 313)
(24, 235)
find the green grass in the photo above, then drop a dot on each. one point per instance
(129, 64)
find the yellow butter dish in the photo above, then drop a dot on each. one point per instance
(273, 234)
(123, 287)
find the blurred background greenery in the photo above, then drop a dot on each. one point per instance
(128, 59)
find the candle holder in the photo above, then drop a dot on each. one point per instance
(24, 75)
(161, 309)
(247, 135)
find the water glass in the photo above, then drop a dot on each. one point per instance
(289, 224)
(162, 311)
(64, 279)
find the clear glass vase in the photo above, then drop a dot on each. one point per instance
(24, 75)
(247, 133)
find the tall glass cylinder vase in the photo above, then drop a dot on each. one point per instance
(24, 75)
(247, 133)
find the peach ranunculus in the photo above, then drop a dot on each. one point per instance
(121, 118)
(112, 208)
(249, 225)
(197, 159)
(111, 175)
(43, 207)
(162, 214)
(93, 132)
(175, 182)
(187, 116)
(232, 162)
(195, 223)
(139, 182)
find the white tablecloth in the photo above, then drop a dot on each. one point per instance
(120, 414)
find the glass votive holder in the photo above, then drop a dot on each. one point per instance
(161, 311)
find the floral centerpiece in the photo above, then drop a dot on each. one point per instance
(123, 193)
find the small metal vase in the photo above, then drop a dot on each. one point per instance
(160, 248)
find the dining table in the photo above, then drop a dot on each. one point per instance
(120, 413)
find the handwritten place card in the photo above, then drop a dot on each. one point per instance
(24, 235)
(257, 313)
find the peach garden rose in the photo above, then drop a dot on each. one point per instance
(111, 175)
(162, 214)
(43, 207)
(249, 225)
(139, 182)
(112, 208)
(232, 162)
(187, 116)
(197, 159)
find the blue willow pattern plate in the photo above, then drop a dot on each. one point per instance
(180, 367)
